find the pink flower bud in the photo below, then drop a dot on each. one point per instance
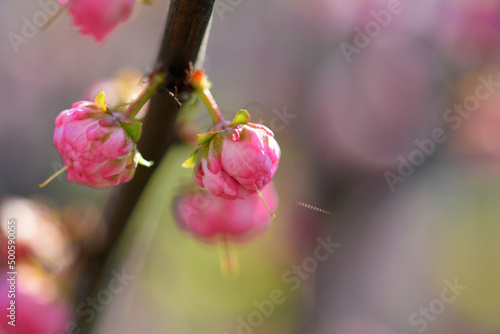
(95, 146)
(97, 17)
(240, 157)
(212, 219)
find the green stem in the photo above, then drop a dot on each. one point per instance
(53, 176)
(157, 80)
(265, 204)
(208, 100)
(228, 259)
(53, 18)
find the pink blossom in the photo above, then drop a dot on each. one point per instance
(213, 219)
(33, 314)
(94, 145)
(239, 158)
(97, 17)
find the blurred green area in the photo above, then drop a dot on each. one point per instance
(468, 247)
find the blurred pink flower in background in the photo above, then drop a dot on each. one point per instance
(98, 18)
(469, 31)
(212, 219)
(43, 238)
(368, 113)
(477, 135)
(38, 307)
(121, 89)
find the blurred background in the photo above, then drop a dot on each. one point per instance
(388, 117)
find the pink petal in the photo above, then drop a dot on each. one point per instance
(96, 131)
(110, 148)
(75, 134)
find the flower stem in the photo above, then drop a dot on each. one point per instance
(53, 18)
(201, 87)
(265, 204)
(53, 176)
(228, 259)
(156, 81)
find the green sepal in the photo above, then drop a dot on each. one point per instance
(216, 146)
(134, 130)
(242, 117)
(100, 100)
(141, 161)
(205, 137)
(191, 161)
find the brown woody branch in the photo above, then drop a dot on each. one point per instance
(186, 26)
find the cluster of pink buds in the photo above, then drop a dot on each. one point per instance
(235, 162)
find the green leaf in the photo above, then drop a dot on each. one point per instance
(147, 2)
(191, 161)
(100, 100)
(242, 117)
(216, 146)
(205, 137)
(141, 161)
(134, 129)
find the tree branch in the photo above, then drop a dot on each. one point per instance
(186, 26)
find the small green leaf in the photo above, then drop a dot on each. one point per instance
(205, 137)
(191, 161)
(134, 129)
(147, 2)
(242, 117)
(216, 146)
(100, 100)
(141, 161)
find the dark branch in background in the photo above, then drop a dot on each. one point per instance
(187, 23)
